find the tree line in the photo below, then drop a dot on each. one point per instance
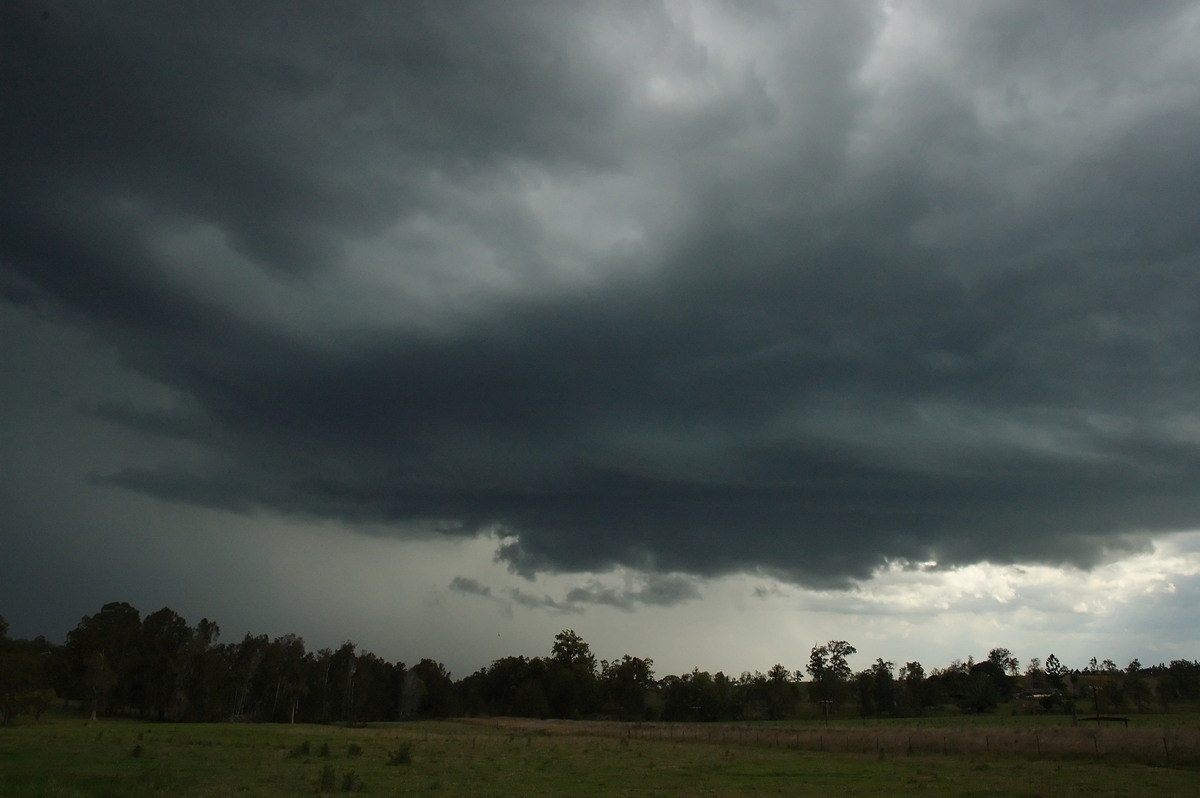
(117, 662)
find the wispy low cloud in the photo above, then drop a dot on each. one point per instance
(656, 590)
(540, 602)
(661, 590)
(507, 597)
(470, 587)
(769, 591)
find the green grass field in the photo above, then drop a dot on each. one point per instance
(64, 756)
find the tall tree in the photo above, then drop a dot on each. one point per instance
(883, 686)
(245, 659)
(571, 649)
(571, 684)
(165, 638)
(1055, 671)
(626, 685)
(203, 674)
(439, 699)
(512, 686)
(780, 693)
(914, 690)
(343, 669)
(830, 670)
(105, 650)
(986, 683)
(696, 696)
(1003, 659)
(289, 661)
(24, 680)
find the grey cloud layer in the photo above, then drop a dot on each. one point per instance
(689, 289)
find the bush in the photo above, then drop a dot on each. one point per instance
(327, 780)
(402, 755)
(354, 749)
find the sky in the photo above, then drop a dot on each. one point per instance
(710, 330)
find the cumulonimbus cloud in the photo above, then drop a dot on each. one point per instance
(714, 289)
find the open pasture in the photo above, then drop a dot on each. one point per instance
(1141, 741)
(509, 757)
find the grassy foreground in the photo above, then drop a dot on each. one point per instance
(65, 756)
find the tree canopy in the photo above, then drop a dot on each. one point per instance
(117, 662)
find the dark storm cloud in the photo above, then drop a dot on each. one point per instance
(798, 290)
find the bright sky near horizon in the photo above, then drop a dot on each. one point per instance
(710, 330)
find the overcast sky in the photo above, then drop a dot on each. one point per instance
(710, 330)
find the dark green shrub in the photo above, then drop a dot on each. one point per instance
(327, 780)
(402, 755)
